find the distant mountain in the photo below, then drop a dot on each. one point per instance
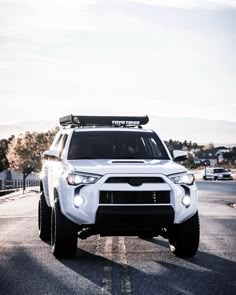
(201, 131)
(197, 130)
(39, 126)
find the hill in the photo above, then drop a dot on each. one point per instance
(197, 130)
(16, 129)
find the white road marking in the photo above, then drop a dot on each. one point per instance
(125, 278)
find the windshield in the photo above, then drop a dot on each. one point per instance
(220, 170)
(116, 145)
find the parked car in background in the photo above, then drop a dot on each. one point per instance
(216, 173)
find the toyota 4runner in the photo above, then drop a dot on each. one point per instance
(109, 176)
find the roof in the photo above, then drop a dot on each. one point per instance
(206, 155)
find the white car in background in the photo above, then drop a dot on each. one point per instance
(216, 173)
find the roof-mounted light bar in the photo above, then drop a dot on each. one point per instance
(117, 121)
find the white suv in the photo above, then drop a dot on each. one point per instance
(216, 173)
(109, 176)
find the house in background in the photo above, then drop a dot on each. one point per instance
(212, 157)
(207, 157)
(220, 153)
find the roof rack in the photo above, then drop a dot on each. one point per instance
(115, 121)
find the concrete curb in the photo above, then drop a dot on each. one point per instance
(18, 194)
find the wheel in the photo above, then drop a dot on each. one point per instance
(184, 237)
(63, 234)
(204, 178)
(44, 219)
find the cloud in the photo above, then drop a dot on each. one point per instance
(43, 19)
(109, 56)
(189, 4)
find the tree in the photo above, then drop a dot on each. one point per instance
(4, 143)
(25, 152)
(190, 162)
(178, 145)
(195, 145)
(209, 146)
(230, 157)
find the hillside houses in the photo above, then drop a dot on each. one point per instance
(213, 156)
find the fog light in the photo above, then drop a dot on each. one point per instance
(78, 201)
(186, 201)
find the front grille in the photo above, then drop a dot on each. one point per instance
(134, 197)
(133, 220)
(226, 176)
(141, 179)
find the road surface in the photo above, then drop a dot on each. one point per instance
(120, 265)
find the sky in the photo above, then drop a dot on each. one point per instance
(172, 58)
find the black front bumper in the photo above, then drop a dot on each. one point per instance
(133, 220)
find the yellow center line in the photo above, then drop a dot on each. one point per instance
(125, 278)
(107, 269)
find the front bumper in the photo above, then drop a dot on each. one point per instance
(93, 211)
(225, 177)
(133, 220)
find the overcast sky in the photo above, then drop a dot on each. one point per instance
(156, 57)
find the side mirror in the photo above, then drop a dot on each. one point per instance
(51, 155)
(180, 156)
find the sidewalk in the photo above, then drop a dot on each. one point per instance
(19, 194)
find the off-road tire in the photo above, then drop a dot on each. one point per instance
(63, 234)
(44, 219)
(184, 237)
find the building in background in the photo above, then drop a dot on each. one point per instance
(14, 179)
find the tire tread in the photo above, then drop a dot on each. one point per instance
(184, 239)
(44, 219)
(64, 234)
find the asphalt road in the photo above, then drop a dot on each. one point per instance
(120, 265)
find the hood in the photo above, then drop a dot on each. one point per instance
(103, 167)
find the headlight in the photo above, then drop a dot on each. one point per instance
(77, 178)
(184, 178)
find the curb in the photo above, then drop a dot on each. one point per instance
(19, 194)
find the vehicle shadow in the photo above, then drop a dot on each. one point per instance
(26, 272)
(23, 272)
(205, 260)
(203, 274)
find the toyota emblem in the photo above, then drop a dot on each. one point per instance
(135, 181)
